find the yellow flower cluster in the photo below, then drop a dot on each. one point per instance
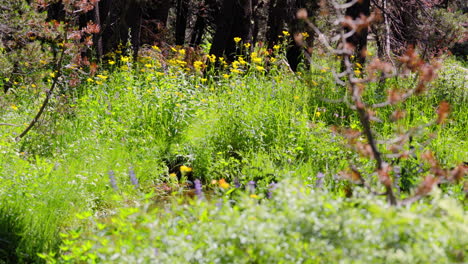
(198, 65)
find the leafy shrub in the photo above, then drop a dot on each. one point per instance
(298, 224)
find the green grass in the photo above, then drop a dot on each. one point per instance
(254, 127)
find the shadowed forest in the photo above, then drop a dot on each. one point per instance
(233, 131)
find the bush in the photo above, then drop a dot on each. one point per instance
(298, 225)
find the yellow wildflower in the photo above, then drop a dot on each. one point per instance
(286, 33)
(357, 72)
(305, 34)
(212, 58)
(236, 71)
(173, 49)
(237, 39)
(272, 59)
(296, 97)
(98, 82)
(124, 58)
(254, 196)
(173, 175)
(203, 79)
(317, 114)
(184, 169)
(156, 48)
(102, 76)
(182, 51)
(257, 60)
(33, 85)
(226, 76)
(223, 184)
(197, 65)
(242, 61)
(276, 47)
(14, 107)
(259, 68)
(148, 65)
(52, 74)
(247, 45)
(111, 62)
(90, 80)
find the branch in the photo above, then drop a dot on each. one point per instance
(7, 124)
(58, 67)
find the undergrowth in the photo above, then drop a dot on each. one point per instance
(250, 128)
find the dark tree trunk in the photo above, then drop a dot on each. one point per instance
(133, 21)
(98, 37)
(154, 21)
(257, 18)
(223, 28)
(234, 21)
(181, 21)
(198, 30)
(297, 51)
(55, 11)
(359, 39)
(276, 21)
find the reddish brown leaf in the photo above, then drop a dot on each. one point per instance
(426, 186)
(442, 112)
(384, 175)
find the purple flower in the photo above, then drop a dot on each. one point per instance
(133, 178)
(251, 186)
(237, 183)
(271, 188)
(319, 181)
(198, 189)
(113, 181)
(219, 203)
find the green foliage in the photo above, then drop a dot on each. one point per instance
(253, 126)
(298, 224)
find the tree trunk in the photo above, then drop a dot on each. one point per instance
(198, 30)
(359, 39)
(133, 21)
(181, 21)
(98, 37)
(223, 28)
(154, 22)
(276, 21)
(234, 21)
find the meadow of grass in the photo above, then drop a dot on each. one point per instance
(99, 178)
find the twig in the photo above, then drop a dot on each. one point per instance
(58, 67)
(7, 124)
